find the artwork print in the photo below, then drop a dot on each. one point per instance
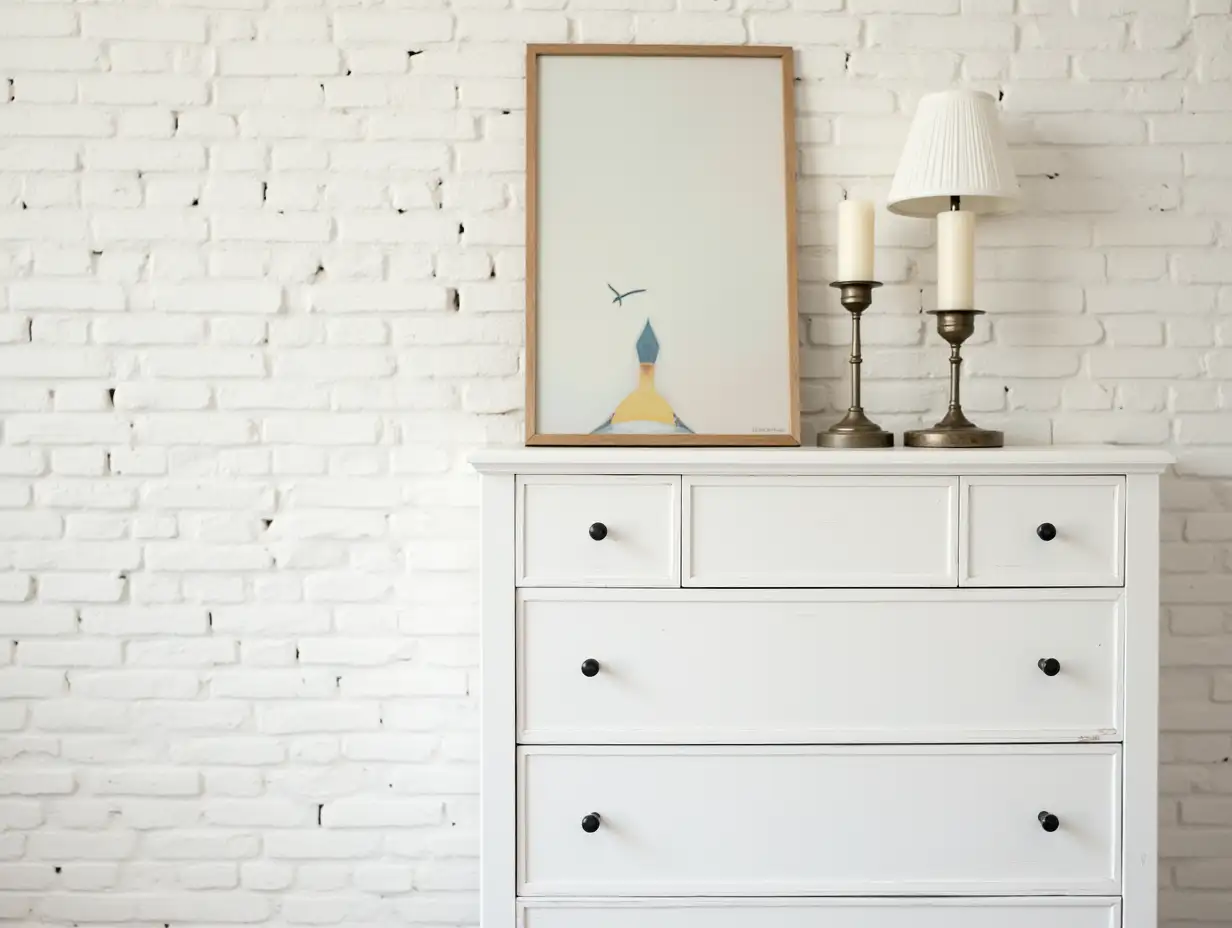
(661, 298)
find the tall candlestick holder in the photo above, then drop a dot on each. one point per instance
(955, 430)
(855, 430)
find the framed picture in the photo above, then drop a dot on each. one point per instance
(661, 246)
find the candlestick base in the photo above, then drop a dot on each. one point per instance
(955, 430)
(855, 430)
(942, 435)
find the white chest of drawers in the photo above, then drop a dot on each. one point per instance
(817, 689)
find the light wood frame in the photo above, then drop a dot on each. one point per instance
(785, 55)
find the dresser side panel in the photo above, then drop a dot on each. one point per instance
(1140, 784)
(498, 760)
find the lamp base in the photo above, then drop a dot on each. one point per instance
(855, 430)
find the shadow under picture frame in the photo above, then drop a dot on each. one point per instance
(661, 246)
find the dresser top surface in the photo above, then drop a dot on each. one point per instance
(1042, 460)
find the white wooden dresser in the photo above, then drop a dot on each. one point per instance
(806, 688)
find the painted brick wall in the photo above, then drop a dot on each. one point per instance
(261, 269)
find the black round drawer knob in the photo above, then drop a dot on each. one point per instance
(1050, 665)
(590, 823)
(598, 531)
(590, 667)
(1047, 820)
(1046, 531)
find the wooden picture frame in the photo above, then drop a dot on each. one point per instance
(676, 164)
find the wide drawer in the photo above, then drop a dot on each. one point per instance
(1042, 531)
(759, 821)
(820, 531)
(697, 666)
(598, 531)
(822, 913)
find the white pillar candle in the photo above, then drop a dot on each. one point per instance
(855, 240)
(956, 260)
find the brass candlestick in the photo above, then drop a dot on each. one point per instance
(855, 430)
(955, 430)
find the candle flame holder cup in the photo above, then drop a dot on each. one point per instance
(955, 430)
(855, 430)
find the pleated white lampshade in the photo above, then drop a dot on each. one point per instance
(955, 148)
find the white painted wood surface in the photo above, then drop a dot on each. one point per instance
(819, 531)
(825, 462)
(641, 516)
(685, 667)
(805, 820)
(497, 761)
(1140, 787)
(730, 773)
(1074, 912)
(1000, 544)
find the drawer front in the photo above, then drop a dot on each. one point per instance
(820, 531)
(1042, 531)
(823, 913)
(799, 821)
(638, 544)
(847, 667)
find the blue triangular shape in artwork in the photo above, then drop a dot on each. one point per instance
(647, 346)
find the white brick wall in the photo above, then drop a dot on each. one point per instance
(260, 276)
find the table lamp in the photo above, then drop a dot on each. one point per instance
(955, 165)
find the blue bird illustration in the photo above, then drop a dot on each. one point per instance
(619, 299)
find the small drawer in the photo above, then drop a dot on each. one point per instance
(847, 667)
(786, 821)
(598, 531)
(1042, 531)
(1075, 912)
(820, 531)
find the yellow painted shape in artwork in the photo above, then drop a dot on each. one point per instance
(644, 404)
